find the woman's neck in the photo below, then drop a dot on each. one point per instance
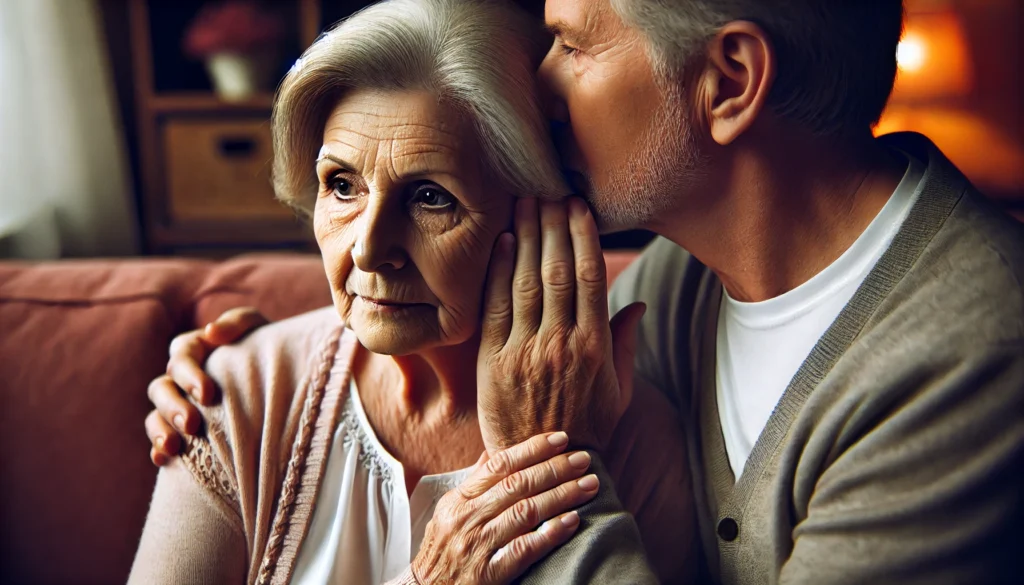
(422, 407)
(439, 382)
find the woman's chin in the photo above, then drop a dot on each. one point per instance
(386, 340)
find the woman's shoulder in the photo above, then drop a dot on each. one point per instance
(264, 380)
(277, 388)
(288, 339)
(275, 357)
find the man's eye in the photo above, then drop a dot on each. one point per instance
(432, 197)
(567, 49)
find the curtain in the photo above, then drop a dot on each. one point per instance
(64, 177)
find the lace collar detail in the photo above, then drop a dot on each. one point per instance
(356, 431)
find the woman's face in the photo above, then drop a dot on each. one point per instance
(406, 217)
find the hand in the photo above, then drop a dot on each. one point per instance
(185, 371)
(548, 357)
(483, 532)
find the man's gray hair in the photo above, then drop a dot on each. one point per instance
(836, 58)
(477, 55)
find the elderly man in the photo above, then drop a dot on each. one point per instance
(839, 319)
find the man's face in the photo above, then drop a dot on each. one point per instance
(622, 136)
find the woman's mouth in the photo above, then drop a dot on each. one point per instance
(386, 305)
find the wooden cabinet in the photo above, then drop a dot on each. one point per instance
(219, 171)
(205, 164)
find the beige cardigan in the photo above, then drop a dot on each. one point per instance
(236, 506)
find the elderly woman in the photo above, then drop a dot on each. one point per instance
(405, 133)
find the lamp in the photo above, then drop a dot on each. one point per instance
(932, 95)
(933, 58)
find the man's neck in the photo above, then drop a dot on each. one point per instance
(784, 211)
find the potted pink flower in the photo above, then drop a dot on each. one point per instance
(238, 40)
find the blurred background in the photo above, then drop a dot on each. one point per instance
(142, 126)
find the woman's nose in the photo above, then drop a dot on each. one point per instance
(378, 244)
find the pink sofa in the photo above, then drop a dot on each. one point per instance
(79, 342)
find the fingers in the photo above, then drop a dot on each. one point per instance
(536, 449)
(497, 321)
(513, 559)
(232, 325)
(591, 280)
(185, 366)
(525, 499)
(172, 406)
(527, 287)
(558, 273)
(164, 438)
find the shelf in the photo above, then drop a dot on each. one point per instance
(207, 102)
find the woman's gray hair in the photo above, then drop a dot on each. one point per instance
(477, 55)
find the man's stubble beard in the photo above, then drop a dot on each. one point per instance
(651, 182)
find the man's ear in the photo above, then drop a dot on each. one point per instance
(738, 75)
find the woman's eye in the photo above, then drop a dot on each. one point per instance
(433, 197)
(567, 49)
(342, 189)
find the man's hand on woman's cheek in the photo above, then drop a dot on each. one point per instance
(549, 359)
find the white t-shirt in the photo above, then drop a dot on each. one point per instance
(365, 528)
(761, 346)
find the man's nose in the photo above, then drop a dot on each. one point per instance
(551, 90)
(378, 245)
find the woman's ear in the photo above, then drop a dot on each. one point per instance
(737, 78)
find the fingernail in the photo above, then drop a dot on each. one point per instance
(160, 443)
(558, 439)
(179, 422)
(580, 460)
(588, 483)
(571, 519)
(196, 393)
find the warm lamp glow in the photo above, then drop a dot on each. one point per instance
(910, 54)
(933, 58)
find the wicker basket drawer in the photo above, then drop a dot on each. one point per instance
(220, 171)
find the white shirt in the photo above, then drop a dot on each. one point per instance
(365, 528)
(760, 346)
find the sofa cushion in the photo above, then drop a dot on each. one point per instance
(279, 285)
(79, 342)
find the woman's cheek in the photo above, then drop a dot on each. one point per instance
(335, 239)
(459, 271)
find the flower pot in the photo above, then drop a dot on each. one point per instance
(237, 77)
